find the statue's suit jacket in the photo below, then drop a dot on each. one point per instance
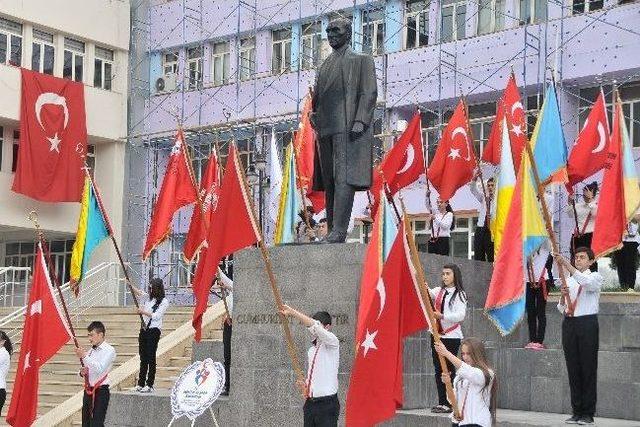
(361, 91)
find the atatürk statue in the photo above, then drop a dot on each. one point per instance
(344, 99)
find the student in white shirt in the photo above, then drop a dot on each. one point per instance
(586, 215)
(97, 362)
(152, 311)
(580, 340)
(6, 348)
(321, 407)
(442, 224)
(627, 257)
(450, 306)
(482, 241)
(475, 384)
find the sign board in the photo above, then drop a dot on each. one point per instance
(195, 390)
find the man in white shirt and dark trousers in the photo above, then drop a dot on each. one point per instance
(97, 362)
(482, 241)
(321, 408)
(580, 340)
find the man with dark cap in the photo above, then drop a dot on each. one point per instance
(344, 100)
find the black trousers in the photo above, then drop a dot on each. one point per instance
(626, 258)
(453, 345)
(580, 342)
(147, 347)
(3, 397)
(482, 244)
(439, 246)
(321, 412)
(226, 344)
(96, 417)
(536, 305)
(583, 240)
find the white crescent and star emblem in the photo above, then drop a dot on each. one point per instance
(176, 147)
(383, 296)
(53, 99)
(368, 342)
(36, 308)
(602, 141)
(410, 155)
(462, 131)
(516, 106)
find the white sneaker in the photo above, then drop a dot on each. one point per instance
(138, 388)
(146, 389)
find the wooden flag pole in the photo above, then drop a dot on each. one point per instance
(547, 219)
(295, 362)
(115, 245)
(425, 148)
(33, 217)
(429, 306)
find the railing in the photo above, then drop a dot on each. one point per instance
(14, 286)
(102, 285)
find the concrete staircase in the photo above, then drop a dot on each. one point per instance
(59, 380)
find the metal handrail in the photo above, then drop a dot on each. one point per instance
(15, 279)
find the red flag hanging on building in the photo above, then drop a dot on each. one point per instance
(45, 332)
(404, 162)
(375, 388)
(304, 142)
(589, 153)
(509, 106)
(53, 139)
(232, 228)
(178, 189)
(201, 217)
(455, 159)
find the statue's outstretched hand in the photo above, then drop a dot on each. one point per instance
(357, 130)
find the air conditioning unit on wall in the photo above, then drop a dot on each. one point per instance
(166, 83)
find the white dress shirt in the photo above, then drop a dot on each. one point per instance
(156, 317)
(442, 224)
(323, 380)
(99, 361)
(228, 292)
(583, 210)
(5, 361)
(474, 399)
(453, 312)
(589, 298)
(482, 212)
(631, 233)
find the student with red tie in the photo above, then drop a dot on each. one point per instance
(321, 407)
(450, 306)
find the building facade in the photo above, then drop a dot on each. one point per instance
(237, 69)
(87, 42)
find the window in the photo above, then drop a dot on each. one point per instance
(73, 59)
(194, 68)
(246, 148)
(281, 51)
(20, 254)
(16, 144)
(585, 6)
(220, 64)
(103, 68)
(311, 45)
(170, 64)
(373, 31)
(91, 159)
(43, 54)
(490, 16)
(453, 20)
(416, 24)
(10, 42)
(247, 58)
(533, 11)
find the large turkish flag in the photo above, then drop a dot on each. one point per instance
(53, 139)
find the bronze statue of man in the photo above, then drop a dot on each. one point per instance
(344, 100)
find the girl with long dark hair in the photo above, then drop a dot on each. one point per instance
(152, 313)
(5, 360)
(442, 223)
(475, 384)
(450, 307)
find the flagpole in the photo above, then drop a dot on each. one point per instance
(295, 362)
(425, 148)
(33, 217)
(429, 306)
(547, 220)
(115, 244)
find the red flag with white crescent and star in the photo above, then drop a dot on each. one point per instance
(509, 106)
(589, 153)
(201, 216)
(178, 189)
(53, 139)
(376, 387)
(455, 159)
(45, 332)
(404, 162)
